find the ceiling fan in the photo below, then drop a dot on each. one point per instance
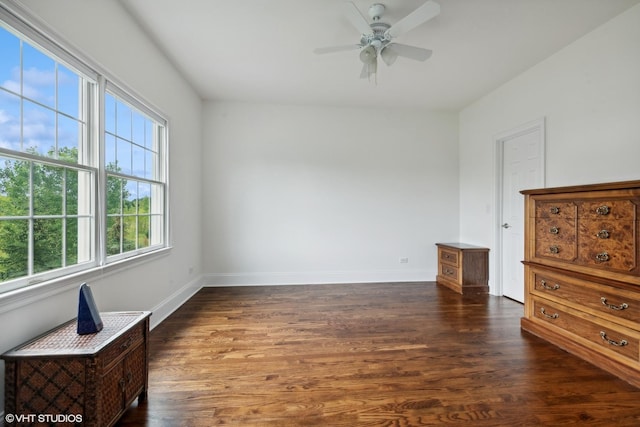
(377, 37)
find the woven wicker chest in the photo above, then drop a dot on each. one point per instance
(87, 380)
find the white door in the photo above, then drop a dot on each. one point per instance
(522, 168)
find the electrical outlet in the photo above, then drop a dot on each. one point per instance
(404, 260)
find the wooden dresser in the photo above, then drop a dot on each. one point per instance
(463, 268)
(89, 379)
(582, 278)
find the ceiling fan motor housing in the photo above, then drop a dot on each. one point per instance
(378, 33)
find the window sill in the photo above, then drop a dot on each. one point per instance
(17, 298)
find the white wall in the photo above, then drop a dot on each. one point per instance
(300, 194)
(589, 94)
(106, 33)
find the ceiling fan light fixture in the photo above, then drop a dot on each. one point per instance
(388, 55)
(368, 55)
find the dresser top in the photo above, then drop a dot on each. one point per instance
(621, 185)
(64, 339)
(462, 246)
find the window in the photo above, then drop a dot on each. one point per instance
(72, 197)
(135, 190)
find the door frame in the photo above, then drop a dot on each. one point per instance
(499, 140)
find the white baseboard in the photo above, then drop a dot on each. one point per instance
(312, 278)
(174, 301)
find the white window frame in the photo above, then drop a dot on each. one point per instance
(31, 288)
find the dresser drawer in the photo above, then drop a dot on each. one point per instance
(608, 244)
(608, 337)
(449, 272)
(556, 249)
(608, 209)
(555, 209)
(121, 345)
(449, 257)
(618, 305)
(561, 229)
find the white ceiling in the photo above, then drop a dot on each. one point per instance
(262, 50)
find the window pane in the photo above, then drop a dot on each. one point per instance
(123, 153)
(71, 192)
(38, 130)
(10, 120)
(114, 231)
(14, 187)
(69, 137)
(149, 139)
(69, 92)
(110, 114)
(129, 233)
(151, 160)
(138, 160)
(71, 236)
(39, 76)
(144, 223)
(47, 244)
(123, 121)
(10, 64)
(14, 247)
(111, 161)
(144, 197)
(131, 197)
(114, 195)
(139, 125)
(47, 190)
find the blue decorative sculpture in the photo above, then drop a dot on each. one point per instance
(89, 321)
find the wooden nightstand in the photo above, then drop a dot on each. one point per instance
(95, 377)
(463, 268)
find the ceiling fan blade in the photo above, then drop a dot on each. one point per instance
(356, 18)
(369, 69)
(332, 49)
(427, 11)
(411, 52)
(365, 71)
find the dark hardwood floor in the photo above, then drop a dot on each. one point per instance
(395, 354)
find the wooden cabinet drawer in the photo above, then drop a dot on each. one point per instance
(120, 346)
(449, 257)
(618, 305)
(555, 209)
(560, 229)
(608, 244)
(449, 272)
(608, 337)
(608, 209)
(555, 249)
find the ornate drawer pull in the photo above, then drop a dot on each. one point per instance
(554, 249)
(550, 316)
(554, 210)
(602, 210)
(449, 272)
(622, 306)
(603, 234)
(620, 343)
(554, 230)
(602, 257)
(550, 288)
